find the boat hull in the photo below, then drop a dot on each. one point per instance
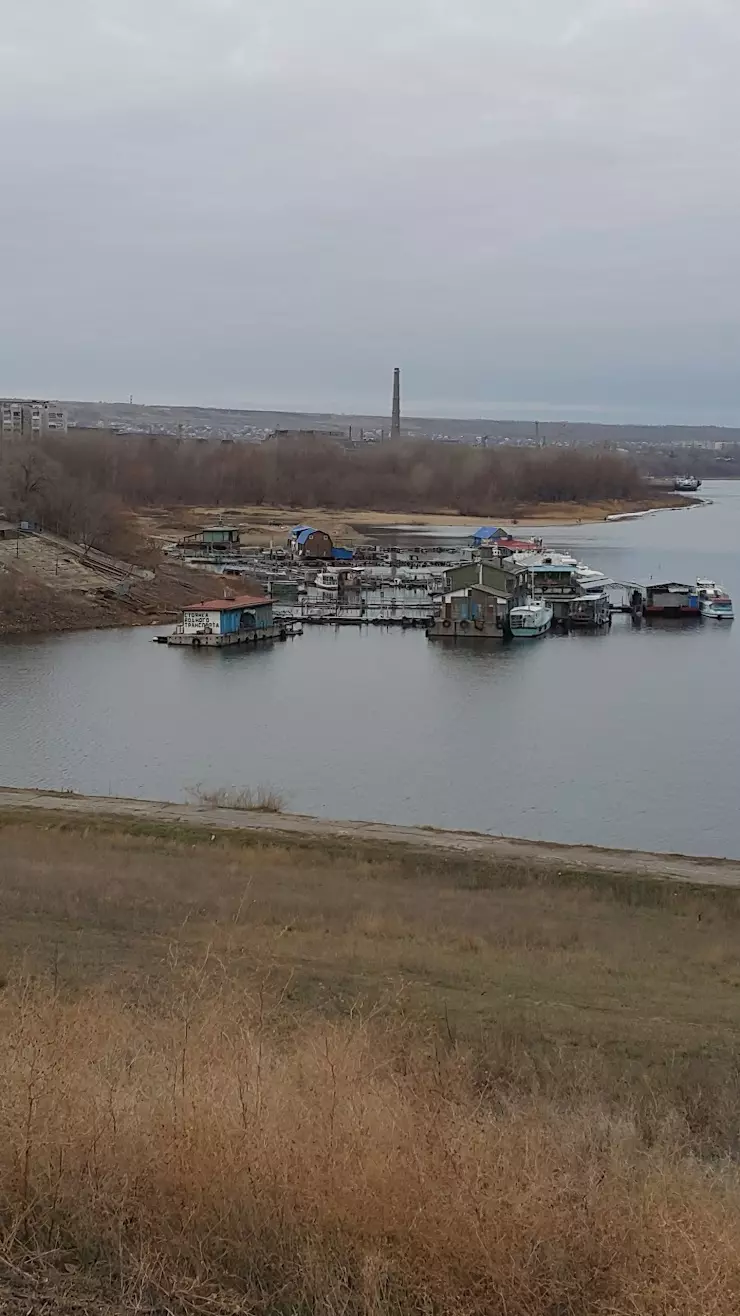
(530, 632)
(717, 614)
(656, 611)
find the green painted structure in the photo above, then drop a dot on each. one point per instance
(506, 580)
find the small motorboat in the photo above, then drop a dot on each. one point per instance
(714, 601)
(530, 619)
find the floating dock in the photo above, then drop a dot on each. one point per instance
(254, 637)
(342, 619)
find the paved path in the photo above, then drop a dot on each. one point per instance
(678, 868)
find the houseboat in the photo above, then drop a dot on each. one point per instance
(669, 599)
(475, 612)
(589, 611)
(218, 623)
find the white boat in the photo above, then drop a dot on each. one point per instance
(529, 619)
(328, 580)
(714, 601)
(589, 578)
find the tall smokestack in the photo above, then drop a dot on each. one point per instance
(396, 416)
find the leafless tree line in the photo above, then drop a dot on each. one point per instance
(79, 484)
(39, 485)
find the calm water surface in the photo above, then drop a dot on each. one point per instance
(631, 738)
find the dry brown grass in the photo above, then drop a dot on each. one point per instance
(347, 1169)
(256, 1077)
(260, 799)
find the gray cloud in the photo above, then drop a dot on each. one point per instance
(532, 206)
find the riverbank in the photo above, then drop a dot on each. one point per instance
(48, 585)
(302, 830)
(252, 1068)
(263, 525)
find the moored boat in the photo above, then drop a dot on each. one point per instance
(530, 619)
(714, 600)
(328, 580)
(589, 610)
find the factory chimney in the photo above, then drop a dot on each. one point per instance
(396, 416)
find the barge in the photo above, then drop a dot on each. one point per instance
(669, 599)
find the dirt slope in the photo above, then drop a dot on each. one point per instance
(47, 584)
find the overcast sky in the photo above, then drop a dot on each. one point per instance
(532, 206)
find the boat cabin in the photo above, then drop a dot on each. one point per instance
(553, 578)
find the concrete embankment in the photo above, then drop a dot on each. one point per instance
(588, 859)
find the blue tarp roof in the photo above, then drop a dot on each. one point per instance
(342, 554)
(298, 529)
(302, 533)
(491, 532)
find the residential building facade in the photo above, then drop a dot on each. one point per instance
(31, 417)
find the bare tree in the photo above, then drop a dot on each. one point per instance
(297, 471)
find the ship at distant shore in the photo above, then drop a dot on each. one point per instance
(686, 484)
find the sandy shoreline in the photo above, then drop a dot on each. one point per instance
(298, 828)
(262, 525)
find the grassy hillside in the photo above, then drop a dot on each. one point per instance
(292, 1077)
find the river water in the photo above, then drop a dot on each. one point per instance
(630, 738)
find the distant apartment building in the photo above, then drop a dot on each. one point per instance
(31, 417)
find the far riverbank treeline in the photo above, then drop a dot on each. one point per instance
(77, 484)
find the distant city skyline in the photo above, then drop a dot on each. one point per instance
(414, 409)
(533, 208)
